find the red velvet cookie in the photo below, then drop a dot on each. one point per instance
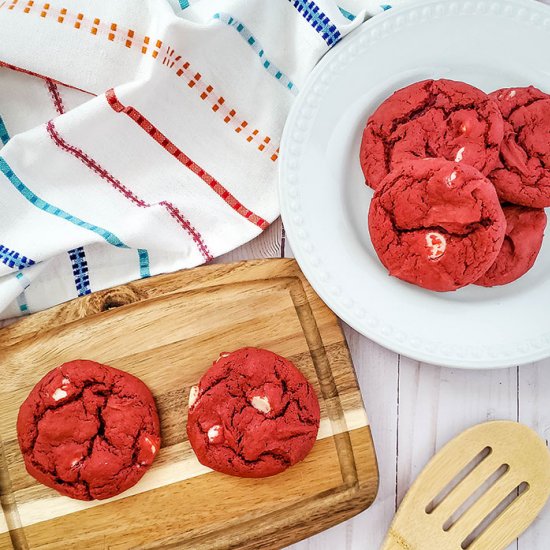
(88, 431)
(433, 118)
(436, 224)
(523, 173)
(524, 232)
(253, 414)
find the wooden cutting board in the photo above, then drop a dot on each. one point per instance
(168, 330)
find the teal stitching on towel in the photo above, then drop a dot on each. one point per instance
(54, 210)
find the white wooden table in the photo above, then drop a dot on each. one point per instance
(416, 408)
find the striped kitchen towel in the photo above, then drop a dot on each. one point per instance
(142, 136)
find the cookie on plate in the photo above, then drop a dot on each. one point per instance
(436, 224)
(433, 118)
(523, 173)
(524, 232)
(253, 414)
(89, 431)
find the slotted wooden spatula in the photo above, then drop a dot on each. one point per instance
(480, 492)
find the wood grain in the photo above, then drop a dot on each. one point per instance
(167, 330)
(429, 519)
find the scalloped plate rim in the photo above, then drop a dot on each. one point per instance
(299, 246)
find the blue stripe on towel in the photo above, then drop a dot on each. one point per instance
(22, 299)
(318, 20)
(4, 136)
(347, 14)
(144, 268)
(249, 38)
(23, 280)
(79, 265)
(184, 4)
(54, 210)
(22, 303)
(14, 259)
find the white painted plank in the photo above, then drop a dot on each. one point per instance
(376, 370)
(534, 410)
(377, 374)
(437, 404)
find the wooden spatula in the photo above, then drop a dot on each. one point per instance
(480, 492)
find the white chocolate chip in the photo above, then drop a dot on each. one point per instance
(449, 180)
(214, 432)
(460, 154)
(436, 244)
(512, 94)
(153, 447)
(65, 381)
(58, 394)
(464, 128)
(193, 394)
(261, 403)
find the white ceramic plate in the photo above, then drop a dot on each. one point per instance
(490, 44)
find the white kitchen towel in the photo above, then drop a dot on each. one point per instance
(142, 136)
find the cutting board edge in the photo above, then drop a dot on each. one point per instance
(337, 507)
(332, 512)
(133, 292)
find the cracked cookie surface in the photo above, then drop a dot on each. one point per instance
(434, 119)
(253, 414)
(524, 233)
(522, 175)
(88, 430)
(436, 224)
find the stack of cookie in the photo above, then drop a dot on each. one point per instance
(461, 179)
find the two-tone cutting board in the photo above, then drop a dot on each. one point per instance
(168, 330)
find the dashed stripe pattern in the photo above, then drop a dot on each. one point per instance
(22, 304)
(56, 96)
(54, 210)
(4, 136)
(247, 36)
(184, 4)
(79, 266)
(318, 20)
(23, 280)
(146, 45)
(22, 298)
(14, 259)
(169, 146)
(125, 191)
(144, 268)
(347, 14)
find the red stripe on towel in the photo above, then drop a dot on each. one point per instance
(174, 212)
(21, 70)
(169, 146)
(56, 96)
